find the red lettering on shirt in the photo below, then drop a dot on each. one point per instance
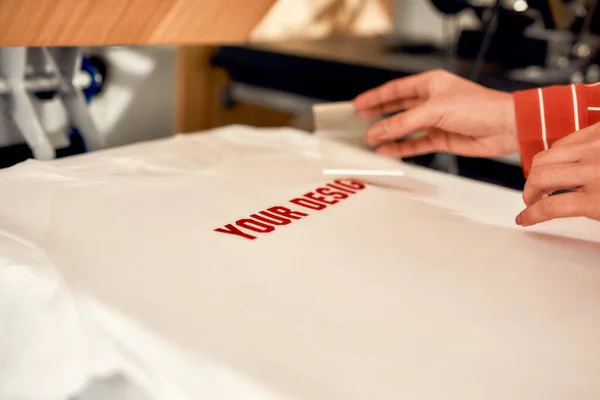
(269, 218)
(255, 226)
(232, 230)
(343, 189)
(286, 212)
(266, 221)
(307, 203)
(322, 199)
(332, 193)
(350, 183)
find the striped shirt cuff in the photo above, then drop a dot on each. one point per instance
(545, 115)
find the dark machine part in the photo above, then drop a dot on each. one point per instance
(508, 46)
(505, 38)
(450, 7)
(95, 67)
(543, 8)
(101, 72)
(594, 22)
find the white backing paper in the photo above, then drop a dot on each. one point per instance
(339, 121)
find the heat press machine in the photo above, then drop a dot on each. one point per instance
(30, 75)
(231, 263)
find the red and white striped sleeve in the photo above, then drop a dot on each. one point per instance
(548, 114)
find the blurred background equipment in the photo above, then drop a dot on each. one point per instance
(47, 73)
(88, 94)
(553, 41)
(68, 100)
(110, 99)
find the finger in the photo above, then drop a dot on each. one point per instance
(391, 107)
(410, 148)
(550, 178)
(398, 126)
(559, 155)
(560, 206)
(414, 86)
(435, 141)
(577, 137)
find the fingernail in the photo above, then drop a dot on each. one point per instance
(519, 219)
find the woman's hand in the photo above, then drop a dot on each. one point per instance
(458, 116)
(572, 163)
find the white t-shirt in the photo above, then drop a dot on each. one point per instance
(226, 265)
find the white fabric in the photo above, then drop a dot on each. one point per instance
(110, 266)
